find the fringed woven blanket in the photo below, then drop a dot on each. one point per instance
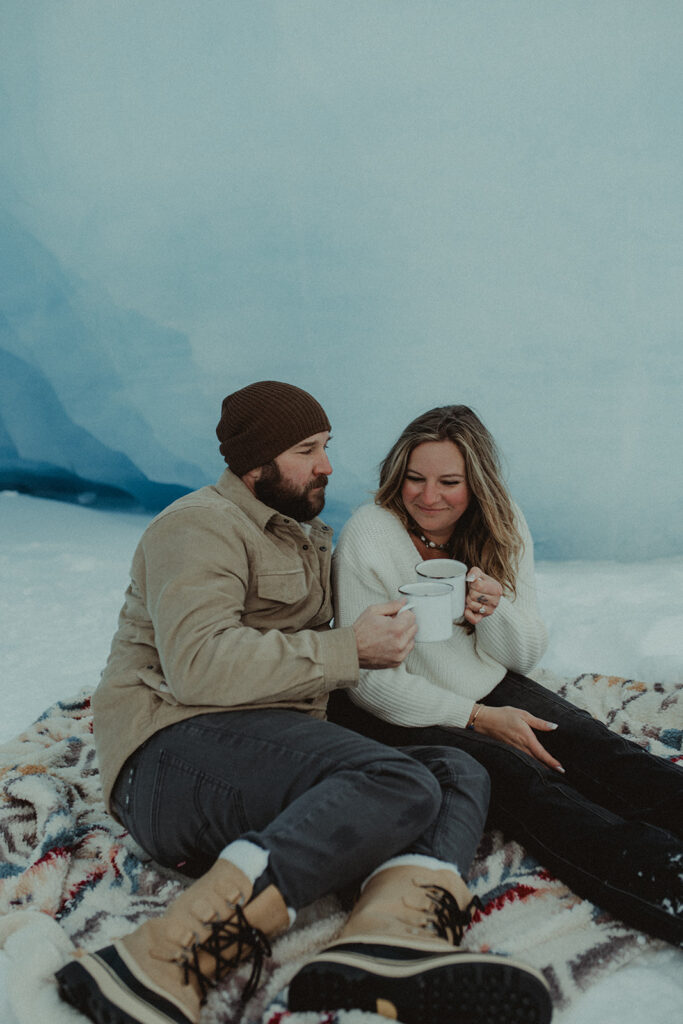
(70, 876)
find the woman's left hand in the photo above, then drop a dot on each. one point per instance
(483, 595)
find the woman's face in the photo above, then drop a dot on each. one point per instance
(435, 491)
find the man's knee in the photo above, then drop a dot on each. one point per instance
(454, 769)
(419, 790)
(470, 776)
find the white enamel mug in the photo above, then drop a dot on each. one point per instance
(430, 602)
(447, 570)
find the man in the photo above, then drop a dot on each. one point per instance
(215, 753)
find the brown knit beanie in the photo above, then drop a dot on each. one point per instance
(263, 420)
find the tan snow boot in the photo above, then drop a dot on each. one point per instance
(396, 957)
(406, 902)
(161, 972)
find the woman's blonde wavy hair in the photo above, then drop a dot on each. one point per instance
(486, 534)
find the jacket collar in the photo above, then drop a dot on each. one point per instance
(233, 488)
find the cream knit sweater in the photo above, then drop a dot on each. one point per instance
(438, 683)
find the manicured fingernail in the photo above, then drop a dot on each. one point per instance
(551, 725)
(470, 579)
(559, 768)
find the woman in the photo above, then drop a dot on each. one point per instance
(605, 816)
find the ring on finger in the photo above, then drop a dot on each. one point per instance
(482, 609)
(483, 599)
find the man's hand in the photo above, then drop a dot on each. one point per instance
(383, 637)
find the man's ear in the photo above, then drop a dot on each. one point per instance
(251, 477)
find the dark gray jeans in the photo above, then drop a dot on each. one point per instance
(327, 804)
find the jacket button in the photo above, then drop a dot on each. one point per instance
(323, 547)
(305, 547)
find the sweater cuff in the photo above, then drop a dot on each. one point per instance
(461, 712)
(514, 640)
(501, 617)
(340, 657)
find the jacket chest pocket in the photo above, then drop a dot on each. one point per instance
(285, 587)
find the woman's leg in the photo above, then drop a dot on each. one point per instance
(607, 768)
(630, 868)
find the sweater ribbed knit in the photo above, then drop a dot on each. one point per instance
(438, 683)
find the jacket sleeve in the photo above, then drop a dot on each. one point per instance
(364, 573)
(514, 634)
(195, 574)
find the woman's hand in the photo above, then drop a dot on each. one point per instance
(483, 595)
(515, 727)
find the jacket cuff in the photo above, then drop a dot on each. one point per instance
(340, 657)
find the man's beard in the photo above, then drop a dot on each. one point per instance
(300, 505)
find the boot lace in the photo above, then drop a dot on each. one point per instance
(244, 942)
(449, 921)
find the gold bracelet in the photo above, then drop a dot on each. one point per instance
(470, 725)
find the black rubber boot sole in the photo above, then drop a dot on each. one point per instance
(465, 988)
(102, 987)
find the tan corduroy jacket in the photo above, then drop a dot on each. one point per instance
(228, 607)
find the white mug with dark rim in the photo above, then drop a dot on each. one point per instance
(447, 570)
(430, 602)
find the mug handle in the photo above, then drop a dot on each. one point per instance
(406, 607)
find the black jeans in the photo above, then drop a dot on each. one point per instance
(611, 828)
(328, 805)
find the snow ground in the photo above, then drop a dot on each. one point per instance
(63, 571)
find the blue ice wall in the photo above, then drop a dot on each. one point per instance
(393, 204)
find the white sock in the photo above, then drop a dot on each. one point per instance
(419, 860)
(252, 860)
